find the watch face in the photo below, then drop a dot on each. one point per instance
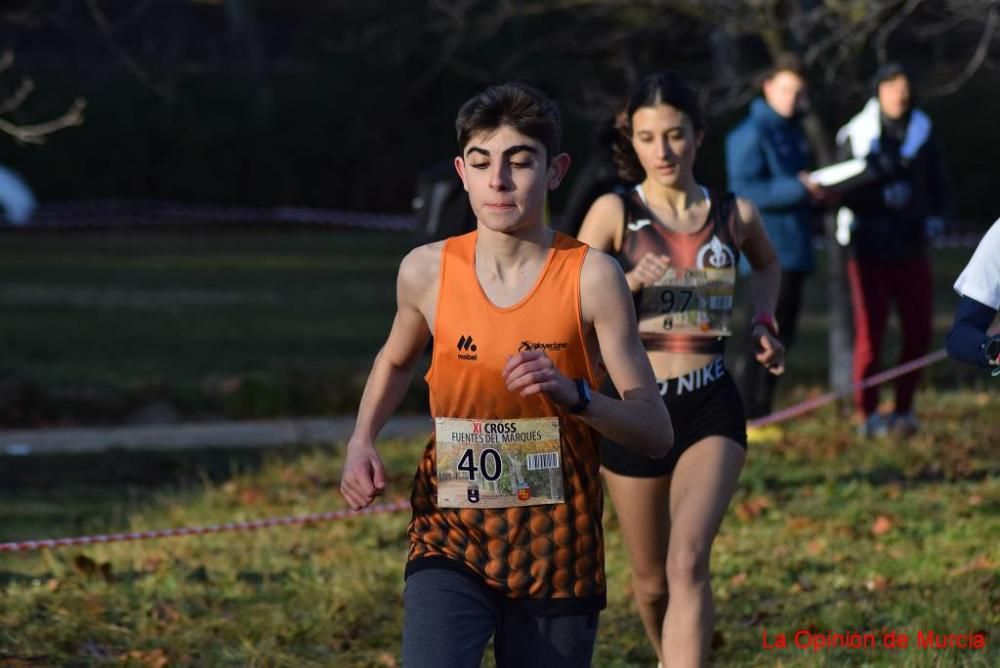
(992, 350)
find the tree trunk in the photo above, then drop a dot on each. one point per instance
(839, 340)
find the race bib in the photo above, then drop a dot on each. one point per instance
(498, 463)
(689, 301)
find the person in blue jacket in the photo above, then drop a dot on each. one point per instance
(767, 161)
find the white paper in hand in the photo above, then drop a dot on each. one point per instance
(838, 173)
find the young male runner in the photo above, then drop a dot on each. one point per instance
(506, 536)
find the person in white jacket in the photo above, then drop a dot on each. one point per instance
(890, 211)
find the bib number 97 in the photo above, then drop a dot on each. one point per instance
(671, 300)
(490, 464)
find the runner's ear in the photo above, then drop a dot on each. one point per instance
(558, 166)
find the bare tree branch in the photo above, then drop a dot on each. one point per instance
(975, 62)
(135, 13)
(17, 99)
(26, 17)
(36, 133)
(890, 26)
(131, 64)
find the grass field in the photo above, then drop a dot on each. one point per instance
(827, 533)
(98, 326)
(94, 325)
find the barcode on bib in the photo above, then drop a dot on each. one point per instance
(720, 303)
(546, 460)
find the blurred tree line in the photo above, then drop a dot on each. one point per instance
(339, 103)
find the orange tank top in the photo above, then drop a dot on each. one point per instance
(549, 559)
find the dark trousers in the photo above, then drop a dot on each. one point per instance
(758, 383)
(874, 285)
(448, 619)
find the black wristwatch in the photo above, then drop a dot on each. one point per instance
(991, 354)
(584, 392)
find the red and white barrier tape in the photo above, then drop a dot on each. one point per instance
(115, 213)
(399, 506)
(313, 518)
(823, 399)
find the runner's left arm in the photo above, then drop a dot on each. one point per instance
(765, 283)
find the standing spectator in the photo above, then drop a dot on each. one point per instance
(890, 211)
(767, 156)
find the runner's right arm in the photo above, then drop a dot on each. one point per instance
(603, 228)
(638, 420)
(416, 288)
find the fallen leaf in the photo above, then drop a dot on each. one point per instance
(980, 563)
(801, 584)
(975, 499)
(165, 613)
(738, 579)
(752, 508)
(251, 495)
(156, 658)
(84, 565)
(798, 523)
(93, 606)
(816, 547)
(882, 525)
(877, 583)
(388, 660)
(151, 563)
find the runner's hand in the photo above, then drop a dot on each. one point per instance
(531, 372)
(993, 363)
(768, 350)
(649, 270)
(364, 476)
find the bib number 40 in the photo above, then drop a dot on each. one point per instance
(490, 464)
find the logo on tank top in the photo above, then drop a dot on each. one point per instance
(467, 349)
(538, 345)
(715, 255)
(639, 224)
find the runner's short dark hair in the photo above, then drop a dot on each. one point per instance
(517, 105)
